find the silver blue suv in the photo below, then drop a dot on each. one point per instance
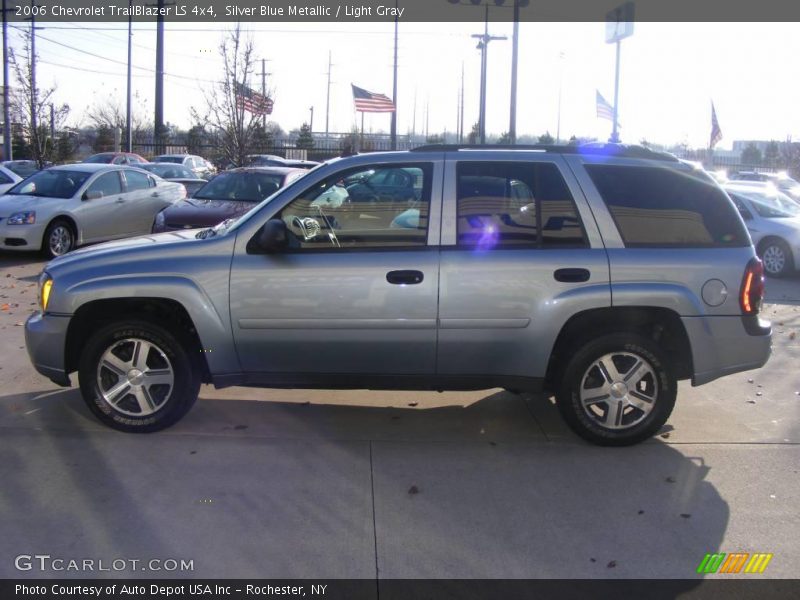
(600, 274)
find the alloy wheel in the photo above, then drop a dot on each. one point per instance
(619, 390)
(135, 377)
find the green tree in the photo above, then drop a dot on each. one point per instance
(474, 135)
(505, 138)
(20, 147)
(772, 153)
(197, 139)
(751, 155)
(66, 146)
(104, 139)
(547, 138)
(305, 139)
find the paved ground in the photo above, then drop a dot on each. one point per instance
(270, 483)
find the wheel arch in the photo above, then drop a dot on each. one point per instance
(166, 312)
(661, 325)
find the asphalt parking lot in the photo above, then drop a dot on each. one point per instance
(341, 484)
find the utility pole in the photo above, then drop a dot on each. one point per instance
(159, 109)
(7, 153)
(461, 122)
(129, 134)
(512, 125)
(52, 125)
(311, 122)
(414, 117)
(483, 46)
(394, 85)
(328, 97)
(34, 131)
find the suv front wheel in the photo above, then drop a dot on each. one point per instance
(617, 390)
(137, 376)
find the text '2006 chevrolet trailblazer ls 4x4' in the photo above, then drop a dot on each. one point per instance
(601, 274)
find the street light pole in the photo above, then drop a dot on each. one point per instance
(614, 133)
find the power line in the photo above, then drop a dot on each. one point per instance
(119, 62)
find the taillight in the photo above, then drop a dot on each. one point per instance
(752, 292)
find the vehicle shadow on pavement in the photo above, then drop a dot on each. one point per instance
(18, 259)
(293, 489)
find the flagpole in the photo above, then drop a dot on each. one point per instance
(361, 143)
(394, 86)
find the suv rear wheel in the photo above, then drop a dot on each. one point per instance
(617, 390)
(138, 376)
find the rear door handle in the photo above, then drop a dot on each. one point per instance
(572, 275)
(120, 200)
(404, 277)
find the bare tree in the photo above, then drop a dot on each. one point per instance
(39, 102)
(225, 115)
(108, 114)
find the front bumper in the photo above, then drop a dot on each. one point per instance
(46, 340)
(21, 237)
(725, 345)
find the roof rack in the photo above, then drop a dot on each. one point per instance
(620, 150)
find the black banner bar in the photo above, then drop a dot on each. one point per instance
(741, 588)
(355, 11)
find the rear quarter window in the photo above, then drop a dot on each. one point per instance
(657, 207)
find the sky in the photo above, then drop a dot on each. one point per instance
(669, 75)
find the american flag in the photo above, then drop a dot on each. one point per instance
(604, 109)
(252, 101)
(368, 102)
(716, 132)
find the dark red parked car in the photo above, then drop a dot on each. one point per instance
(228, 195)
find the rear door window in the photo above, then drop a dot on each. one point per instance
(509, 204)
(658, 207)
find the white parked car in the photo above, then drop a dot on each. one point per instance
(773, 220)
(63, 207)
(8, 179)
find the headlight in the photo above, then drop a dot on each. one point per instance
(22, 218)
(44, 293)
(159, 224)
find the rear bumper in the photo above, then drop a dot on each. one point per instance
(725, 345)
(45, 338)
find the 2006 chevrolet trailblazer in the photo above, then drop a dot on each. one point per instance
(602, 274)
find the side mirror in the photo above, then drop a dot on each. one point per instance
(273, 236)
(93, 195)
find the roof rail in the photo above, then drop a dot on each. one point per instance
(620, 150)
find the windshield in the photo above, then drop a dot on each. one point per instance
(23, 169)
(178, 160)
(100, 158)
(51, 184)
(169, 171)
(772, 205)
(242, 186)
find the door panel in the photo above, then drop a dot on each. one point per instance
(356, 292)
(103, 218)
(518, 261)
(334, 312)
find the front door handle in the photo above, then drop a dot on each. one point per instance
(120, 200)
(572, 275)
(404, 277)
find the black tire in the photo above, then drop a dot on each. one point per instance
(777, 257)
(583, 373)
(166, 352)
(59, 238)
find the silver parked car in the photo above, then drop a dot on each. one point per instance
(773, 220)
(8, 179)
(601, 274)
(63, 207)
